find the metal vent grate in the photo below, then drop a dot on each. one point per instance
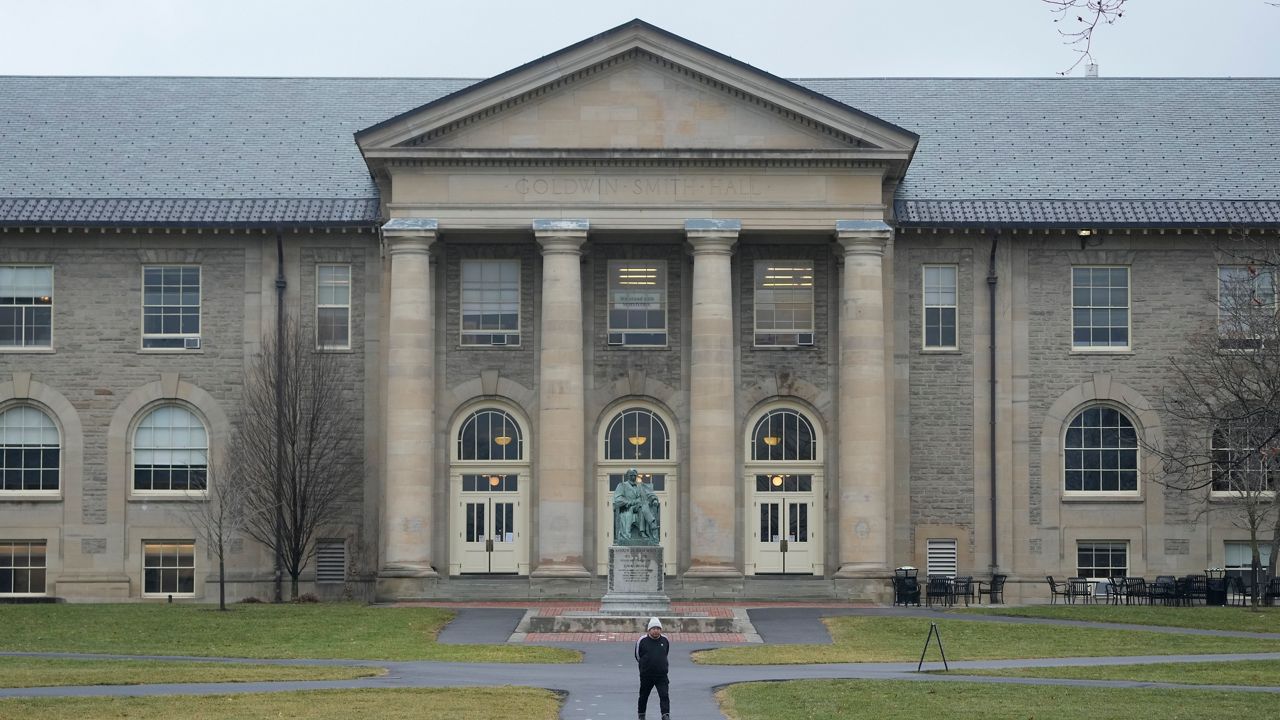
(942, 557)
(331, 561)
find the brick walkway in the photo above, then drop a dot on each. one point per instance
(631, 637)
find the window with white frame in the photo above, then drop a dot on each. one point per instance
(1239, 559)
(1100, 307)
(1246, 306)
(170, 452)
(171, 306)
(1246, 461)
(168, 568)
(490, 302)
(1101, 559)
(22, 567)
(1100, 452)
(26, 306)
(333, 307)
(490, 434)
(30, 451)
(940, 307)
(940, 557)
(638, 303)
(636, 434)
(783, 303)
(784, 434)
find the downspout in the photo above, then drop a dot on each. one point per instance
(991, 430)
(278, 593)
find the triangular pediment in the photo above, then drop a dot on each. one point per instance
(638, 88)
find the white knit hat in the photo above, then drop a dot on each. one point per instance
(654, 623)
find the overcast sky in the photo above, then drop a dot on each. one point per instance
(479, 38)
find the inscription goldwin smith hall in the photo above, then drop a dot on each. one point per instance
(839, 326)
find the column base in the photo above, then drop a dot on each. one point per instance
(407, 570)
(713, 571)
(405, 581)
(859, 571)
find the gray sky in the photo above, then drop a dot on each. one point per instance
(479, 38)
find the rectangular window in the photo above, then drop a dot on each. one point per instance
(783, 303)
(638, 303)
(940, 307)
(1100, 307)
(1246, 307)
(490, 302)
(1239, 559)
(26, 306)
(1244, 462)
(168, 568)
(22, 567)
(333, 307)
(940, 558)
(1099, 560)
(171, 306)
(331, 561)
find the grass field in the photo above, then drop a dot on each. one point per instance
(323, 630)
(1258, 673)
(906, 700)
(427, 704)
(16, 672)
(1202, 618)
(898, 639)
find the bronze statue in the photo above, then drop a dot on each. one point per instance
(635, 512)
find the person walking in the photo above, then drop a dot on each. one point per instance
(651, 656)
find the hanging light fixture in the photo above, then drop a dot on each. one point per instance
(777, 481)
(771, 440)
(503, 440)
(637, 440)
(494, 480)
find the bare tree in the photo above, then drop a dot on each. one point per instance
(296, 446)
(1224, 447)
(218, 515)
(1087, 14)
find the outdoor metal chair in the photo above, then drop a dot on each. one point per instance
(938, 589)
(1117, 593)
(1078, 587)
(994, 590)
(1056, 590)
(1197, 589)
(1272, 592)
(1164, 589)
(1237, 592)
(1135, 591)
(962, 587)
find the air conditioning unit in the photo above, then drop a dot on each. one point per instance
(804, 339)
(191, 343)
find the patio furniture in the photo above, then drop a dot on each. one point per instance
(1164, 589)
(1117, 593)
(1272, 592)
(906, 591)
(962, 587)
(1056, 590)
(1078, 587)
(994, 590)
(1237, 592)
(1135, 591)
(938, 588)
(1197, 589)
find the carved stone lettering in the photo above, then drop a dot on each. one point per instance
(667, 186)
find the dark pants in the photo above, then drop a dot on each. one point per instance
(647, 684)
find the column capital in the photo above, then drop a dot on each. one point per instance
(409, 236)
(863, 237)
(712, 237)
(561, 236)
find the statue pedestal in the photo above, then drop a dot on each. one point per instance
(636, 581)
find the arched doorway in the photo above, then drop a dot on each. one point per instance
(489, 491)
(784, 485)
(637, 436)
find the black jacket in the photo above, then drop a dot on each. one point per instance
(651, 655)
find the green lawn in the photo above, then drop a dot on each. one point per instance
(16, 672)
(1204, 618)
(906, 700)
(1263, 673)
(322, 630)
(428, 704)
(892, 639)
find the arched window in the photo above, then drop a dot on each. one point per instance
(170, 451)
(1245, 461)
(490, 434)
(1101, 452)
(30, 452)
(637, 434)
(783, 435)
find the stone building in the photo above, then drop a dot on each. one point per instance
(841, 325)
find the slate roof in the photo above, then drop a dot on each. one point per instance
(993, 152)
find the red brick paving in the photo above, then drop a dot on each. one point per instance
(631, 637)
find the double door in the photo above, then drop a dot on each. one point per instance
(490, 536)
(785, 520)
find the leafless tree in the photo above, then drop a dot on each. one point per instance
(218, 514)
(1223, 444)
(296, 446)
(1087, 15)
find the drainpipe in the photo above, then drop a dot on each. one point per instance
(991, 430)
(278, 593)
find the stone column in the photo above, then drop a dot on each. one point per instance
(407, 511)
(561, 427)
(864, 386)
(712, 427)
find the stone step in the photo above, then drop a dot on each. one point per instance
(588, 623)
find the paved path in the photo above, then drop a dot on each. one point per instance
(607, 691)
